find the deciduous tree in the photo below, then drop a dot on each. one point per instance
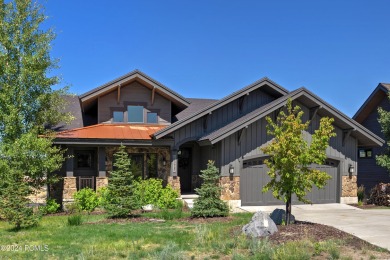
(384, 120)
(291, 156)
(28, 104)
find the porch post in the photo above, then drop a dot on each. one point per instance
(174, 179)
(70, 186)
(101, 180)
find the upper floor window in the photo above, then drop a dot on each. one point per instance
(365, 153)
(118, 116)
(152, 118)
(135, 114)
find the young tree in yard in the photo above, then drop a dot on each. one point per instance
(384, 120)
(209, 203)
(121, 200)
(291, 156)
(27, 104)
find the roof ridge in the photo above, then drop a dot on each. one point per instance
(131, 73)
(226, 98)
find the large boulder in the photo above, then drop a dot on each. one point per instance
(261, 225)
(279, 216)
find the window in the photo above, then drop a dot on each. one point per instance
(365, 153)
(137, 165)
(84, 159)
(151, 118)
(151, 165)
(135, 114)
(118, 116)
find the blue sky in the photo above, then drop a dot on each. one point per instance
(337, 49)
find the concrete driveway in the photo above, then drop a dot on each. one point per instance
(372, 225)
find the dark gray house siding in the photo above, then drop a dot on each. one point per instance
(222, 116)
(133, 94)
(255, 136)
(370, 173)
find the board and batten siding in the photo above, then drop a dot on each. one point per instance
(134, 93)
(256, 136)
(220, 117)
(370, 173)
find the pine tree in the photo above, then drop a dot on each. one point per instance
(121, 199)
(209, 203)
(291, 156)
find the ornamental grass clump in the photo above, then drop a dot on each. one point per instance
(209, 203)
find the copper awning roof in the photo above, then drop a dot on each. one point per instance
(112, 131)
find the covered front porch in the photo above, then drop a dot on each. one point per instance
(89, 166)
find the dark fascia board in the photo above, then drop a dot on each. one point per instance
(280, 102)
(79, 141)
(259, 83)
(380, 87)
(135, 74)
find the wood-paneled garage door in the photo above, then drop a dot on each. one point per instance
(254, 176)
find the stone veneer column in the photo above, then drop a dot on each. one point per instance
(101, 182)
(174, 181)
(39, 196)
(230, 187)
(70, 188)
(349, 190)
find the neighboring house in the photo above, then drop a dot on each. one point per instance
(370, 173)
(172, 138)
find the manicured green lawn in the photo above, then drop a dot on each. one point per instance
(116, 240)
(174, 239)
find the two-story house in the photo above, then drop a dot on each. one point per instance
(171, 137)
(370, 173)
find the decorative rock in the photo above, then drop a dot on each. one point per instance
(148, 207)
(261, 225)
(279, 216)
(156, 220)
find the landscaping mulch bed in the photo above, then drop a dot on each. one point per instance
(206, 220)
(315, 232)
(369, 206)
(132, 219)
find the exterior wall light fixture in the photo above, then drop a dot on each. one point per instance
(231, 169)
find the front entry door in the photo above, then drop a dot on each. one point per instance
(184, 160)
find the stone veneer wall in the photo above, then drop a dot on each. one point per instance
(101, 182)
(230, 187)
(174, 181)
(349, 186)
(162, 152)
(70, 188)
(39, 195)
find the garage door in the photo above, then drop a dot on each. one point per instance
(254, 176)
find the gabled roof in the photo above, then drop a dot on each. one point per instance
(111, 131)
(265, 83)
(196, 105)
(304, 96)
(136, 75)
(73, 107)
(372, 102)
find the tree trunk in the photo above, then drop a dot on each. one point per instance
(288, 209)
